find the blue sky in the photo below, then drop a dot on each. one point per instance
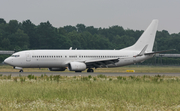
(132, 14)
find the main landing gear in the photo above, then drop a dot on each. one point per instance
(21, 70)
(90, 70)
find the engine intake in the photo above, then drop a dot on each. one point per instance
(76, 66)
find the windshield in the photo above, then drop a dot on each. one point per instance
(15, 56)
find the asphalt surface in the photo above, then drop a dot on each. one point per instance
(85, 74)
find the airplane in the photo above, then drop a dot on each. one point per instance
(80, 60)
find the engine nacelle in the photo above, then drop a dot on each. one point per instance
(19, 68)
(57, 69)
(76, 66)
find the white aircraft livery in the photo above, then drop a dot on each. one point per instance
(80, 60)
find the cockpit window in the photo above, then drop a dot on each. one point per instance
(15, 56)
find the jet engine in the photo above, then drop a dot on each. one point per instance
(76, 66)
(57, 69)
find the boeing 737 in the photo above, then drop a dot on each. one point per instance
(80, 60)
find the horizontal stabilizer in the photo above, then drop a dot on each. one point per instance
(159, 52)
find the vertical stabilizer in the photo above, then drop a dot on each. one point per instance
(147, 38)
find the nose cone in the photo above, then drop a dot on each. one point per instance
(8, 61)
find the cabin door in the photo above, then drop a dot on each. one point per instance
(28, 57)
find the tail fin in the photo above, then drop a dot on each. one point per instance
(147, 38)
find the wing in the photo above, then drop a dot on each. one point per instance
(101, 62)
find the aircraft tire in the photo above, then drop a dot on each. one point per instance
(21, 70)
(90, 70)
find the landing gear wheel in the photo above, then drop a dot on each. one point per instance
(90, 70)
(21, 70)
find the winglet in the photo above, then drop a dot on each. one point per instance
(70, 48)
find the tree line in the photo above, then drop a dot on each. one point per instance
(25, 35)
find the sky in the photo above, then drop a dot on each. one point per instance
(130, 14)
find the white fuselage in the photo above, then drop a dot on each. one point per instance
(60, 58)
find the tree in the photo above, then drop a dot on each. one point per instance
(2, 21)
(86, 40)
(69, 28)
(19, 39)
(75, 38)
(61, 31)
(92, 30)
(46, 36)
(102, 43)
(123, 41)
(80, 27)
(30, 29)
(5, 43)
(12, 26)
(64, 42)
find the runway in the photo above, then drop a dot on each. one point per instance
(85, 74)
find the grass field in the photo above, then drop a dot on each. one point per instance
(89, 93)
(138, 69)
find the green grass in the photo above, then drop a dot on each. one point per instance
(86, 93)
